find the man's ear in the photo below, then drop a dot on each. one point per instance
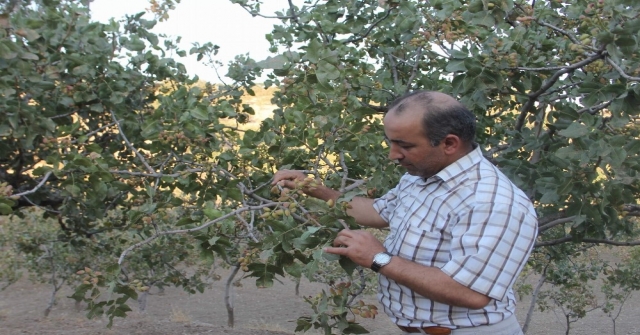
(451, 144)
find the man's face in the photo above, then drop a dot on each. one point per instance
(409, 145)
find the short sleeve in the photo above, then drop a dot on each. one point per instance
(386, 204)
(490, 245)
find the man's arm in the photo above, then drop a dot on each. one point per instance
(430, 282)
(361, 208)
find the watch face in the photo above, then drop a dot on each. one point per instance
(382, 258)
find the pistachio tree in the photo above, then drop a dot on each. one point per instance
(554, 86)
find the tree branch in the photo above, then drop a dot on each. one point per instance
(126, 140)
(534, 96)
(620, 70)
(33, 190)
(191, 230)
(414, 70)
(554, 223)
(368, 31)
(594, 109)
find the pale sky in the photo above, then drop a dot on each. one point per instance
(217, 21)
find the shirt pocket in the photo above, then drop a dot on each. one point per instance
(425, 247)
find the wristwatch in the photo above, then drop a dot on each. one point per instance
(380, 259)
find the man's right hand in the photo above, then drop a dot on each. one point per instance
(293, 179)
(361, 208)
(288, 178)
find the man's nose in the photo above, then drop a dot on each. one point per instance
(394, 154)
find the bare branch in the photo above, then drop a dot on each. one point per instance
(497, 148)
(414, 70)
(368, 31)
(247, 226)
(126, 140)
(40, 184)
(538, 69)
(562, 88)
(93, 132)
(191, 230)
(154, 174)
(620, 70)
(379, 109)
(345, 172)
(554, 223)
(563, 32)
(528, 106)
(594, 109)
(394, 70)
(254, 13)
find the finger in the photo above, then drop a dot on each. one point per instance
(348, 233)
(335, 251)
(340, 242)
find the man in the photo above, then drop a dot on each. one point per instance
(460, 231)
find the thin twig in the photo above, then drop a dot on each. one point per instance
(248, 226)
(394, 70)
(368, 31)
(126, 140)
(414, 70)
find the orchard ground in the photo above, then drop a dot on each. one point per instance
(271, 311)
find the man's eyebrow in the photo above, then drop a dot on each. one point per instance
(396, 141)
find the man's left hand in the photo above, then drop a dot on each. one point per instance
(359, 245)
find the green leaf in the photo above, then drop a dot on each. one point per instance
(200, 113)
(277, 62)
(212, 213)
(151, 129)
(126, 291)
(134, 44)
(575, 130)
(313, 51)
(355, 328)
(348, 265)
(326, 72)
(456, 65)
(29, 56)
(5, 209)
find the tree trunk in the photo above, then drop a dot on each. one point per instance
(228, 296)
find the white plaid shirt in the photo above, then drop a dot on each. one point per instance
(470, 221)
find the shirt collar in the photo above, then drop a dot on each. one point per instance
(456, 168)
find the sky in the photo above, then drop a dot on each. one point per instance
(217, 21)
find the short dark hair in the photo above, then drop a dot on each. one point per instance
(440, 119)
